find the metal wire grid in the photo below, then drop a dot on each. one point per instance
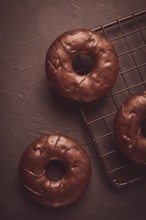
(129, 38)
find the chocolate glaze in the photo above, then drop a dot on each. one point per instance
(127, 129)
(32, 170)
(70, 84)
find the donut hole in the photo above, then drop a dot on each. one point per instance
(82, 64)
(143, 128)
(55, 170)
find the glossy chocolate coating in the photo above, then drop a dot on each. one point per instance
(128, 123)
(32, 170)
(70, 84)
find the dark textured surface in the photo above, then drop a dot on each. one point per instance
(33, 170)
(29, 108)
(71, 84)
(129, 131)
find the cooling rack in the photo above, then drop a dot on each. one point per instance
(129, 38)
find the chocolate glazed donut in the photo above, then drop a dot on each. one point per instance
(128, 128)
(32, 170)
(70, 84)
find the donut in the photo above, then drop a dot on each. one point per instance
(33, 168)
(72, 85)
(129, 128)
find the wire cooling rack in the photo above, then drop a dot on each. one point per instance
(129, 38)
